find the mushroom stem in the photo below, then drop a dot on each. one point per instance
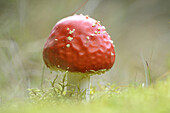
(78, 82)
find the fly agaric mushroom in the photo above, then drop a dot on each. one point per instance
(80, 45)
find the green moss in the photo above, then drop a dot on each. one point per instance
(110, 99)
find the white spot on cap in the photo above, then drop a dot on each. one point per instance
(68, 45)
(111, 41)
(92, 34)
(98, 28)
(87, 16)
(71, 31)
(68, 29)
(55, 39)
(103, 27)
(58, 65)
(92, 71)
(87, 37)
(112, 53)
(69, 38)
(94, 25)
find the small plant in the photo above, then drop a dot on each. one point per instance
(57, 92)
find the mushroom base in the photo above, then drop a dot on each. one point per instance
(78, 84)
(79, 81)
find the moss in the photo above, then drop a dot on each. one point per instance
(154, 99)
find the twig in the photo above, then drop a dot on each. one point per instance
(53, 82)
(164, 75)
(63, 83)
(79, 7)
(42, 77)
(149, 72)
(145, 69)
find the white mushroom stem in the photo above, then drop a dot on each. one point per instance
(77, 80)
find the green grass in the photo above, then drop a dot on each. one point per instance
(154, 99)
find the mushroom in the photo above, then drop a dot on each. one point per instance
(81, 46)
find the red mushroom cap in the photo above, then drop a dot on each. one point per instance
(79, 44)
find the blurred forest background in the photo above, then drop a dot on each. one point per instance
(139, 28)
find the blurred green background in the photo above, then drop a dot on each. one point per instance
(137, 27)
